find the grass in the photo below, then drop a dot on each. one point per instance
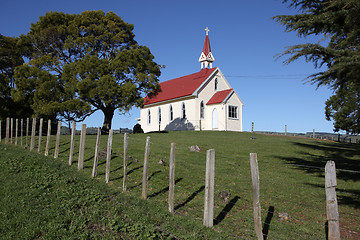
(291, 181)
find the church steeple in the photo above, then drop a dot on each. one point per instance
(206, 57)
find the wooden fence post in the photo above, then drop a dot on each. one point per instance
(16, 129)
(32, 140)
(40, 134)
(21, 131)
(172, 177)
(332, 212)
(256, 195)
(82, 147)
(47, 146)
(126, 143)
(72, 142)
(27, 132)
(146, 169)
(209, 188)
(313, 133)
(285, 129)
(97, 150)
(108, 156)
(7, 131)
(11, 129)
(57, 143)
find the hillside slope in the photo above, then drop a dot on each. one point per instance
(291, 182)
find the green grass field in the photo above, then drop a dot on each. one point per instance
(291, 181)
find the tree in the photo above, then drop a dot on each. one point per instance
(48, 96)
(10, 58)
(344, 107)
(338, 21)
(90, 61)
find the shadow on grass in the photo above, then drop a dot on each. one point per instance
(64, 151)
(164, 189)
(131, 171)
(226, 210)
(191, 197)
(134, 169)
(327, 230)
(340, 153)
(344, 197)
(64, 143)
(60, 144)
(118, 178)
(153, 174)
(267, 222)
(138, 185)
(312, 159)
(114, 170)
(88, 159)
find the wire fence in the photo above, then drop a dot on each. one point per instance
(344, 138)
(290, 208)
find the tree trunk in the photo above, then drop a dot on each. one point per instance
(108, 116)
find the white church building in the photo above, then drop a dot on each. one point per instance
(200, 101)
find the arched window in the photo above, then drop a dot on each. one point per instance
(183, 111)
(171, 114)
(159, 116)
(216, 84)
(202, 108)
(149, 117)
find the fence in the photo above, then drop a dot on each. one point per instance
(209, 220)
(346, 138)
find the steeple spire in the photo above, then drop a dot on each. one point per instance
(206, 57)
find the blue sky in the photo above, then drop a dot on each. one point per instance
(244, 40)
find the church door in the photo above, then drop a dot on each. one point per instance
(214, 119)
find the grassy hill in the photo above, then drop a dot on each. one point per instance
(291, 181)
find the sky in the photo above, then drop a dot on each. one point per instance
(244, 42)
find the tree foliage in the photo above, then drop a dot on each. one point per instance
(83, 63)
(10, 58)
(338, 22)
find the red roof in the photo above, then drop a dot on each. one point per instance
(180, 87)
(220, 96)
(206, 48)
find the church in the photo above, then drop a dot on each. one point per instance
(200, 101)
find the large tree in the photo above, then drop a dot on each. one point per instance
(338, 23)
(10, 57)
(89, 61)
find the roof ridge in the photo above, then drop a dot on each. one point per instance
(202, 70)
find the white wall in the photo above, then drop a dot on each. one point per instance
(234, 124)
(178, 124)
(205, 94)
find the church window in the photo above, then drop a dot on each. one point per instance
(149, 117)
(183, 112)
(202, 108)
(159, 117)
(233, 112)
(216, 84)
(171, 114)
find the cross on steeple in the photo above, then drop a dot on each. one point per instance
(206, 57)
(207, 31)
